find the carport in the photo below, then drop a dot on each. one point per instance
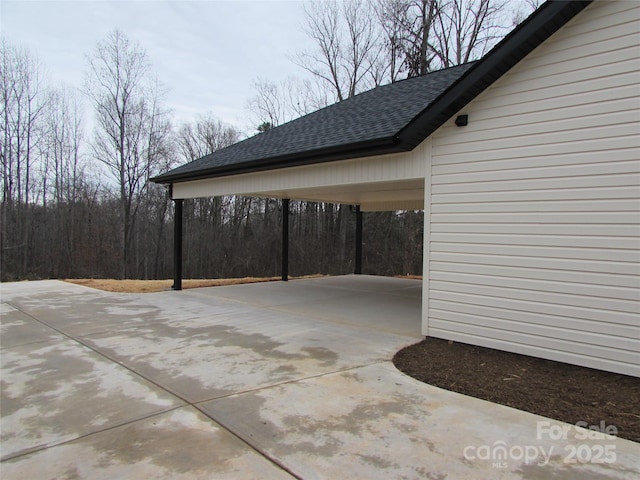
(524, 163)
(372, 151)
(349, 153)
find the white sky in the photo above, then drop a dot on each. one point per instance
(206, 52)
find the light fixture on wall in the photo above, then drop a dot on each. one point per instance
(462, 120)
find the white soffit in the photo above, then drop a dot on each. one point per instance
(398, 195)
(386, 182)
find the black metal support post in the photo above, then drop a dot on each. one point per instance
(177, 245)
(285, 239)
(358, 267)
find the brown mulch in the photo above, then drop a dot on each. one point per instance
(553, 389)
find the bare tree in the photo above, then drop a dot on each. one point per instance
(426, 35)
(24, 103)
(25, 100)
(63, 175)
(360, 44)
(466, 29)
(269, 103)
(204, 216)
(408, 26)
(63, 147)
(204, 136)
(132, 133)
(391, 16)
(277, 103)
(348, 46)
(522, 9)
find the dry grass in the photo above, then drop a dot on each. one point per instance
(410, 277)
(148, 286)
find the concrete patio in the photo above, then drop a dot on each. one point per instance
(272, 380)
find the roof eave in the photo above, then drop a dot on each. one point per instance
(378, 146)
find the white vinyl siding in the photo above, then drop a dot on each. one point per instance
(534, 207)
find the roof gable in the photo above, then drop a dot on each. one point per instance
(387, 119)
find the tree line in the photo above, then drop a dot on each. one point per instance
(81, 204)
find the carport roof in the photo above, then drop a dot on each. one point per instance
(388, 119)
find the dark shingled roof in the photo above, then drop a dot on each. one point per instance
(376, 117)
(387, 119)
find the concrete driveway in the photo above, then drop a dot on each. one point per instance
(272, 380)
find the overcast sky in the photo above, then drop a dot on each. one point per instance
(206, 52)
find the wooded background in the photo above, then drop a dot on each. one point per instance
(80, 204)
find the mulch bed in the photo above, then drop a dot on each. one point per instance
(553, 389)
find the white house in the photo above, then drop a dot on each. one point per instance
(531, 205)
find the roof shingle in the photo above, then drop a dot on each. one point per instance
(372, 116)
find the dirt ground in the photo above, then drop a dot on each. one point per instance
(148, 286)
(556, 390)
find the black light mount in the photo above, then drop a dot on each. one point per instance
(462, 120)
